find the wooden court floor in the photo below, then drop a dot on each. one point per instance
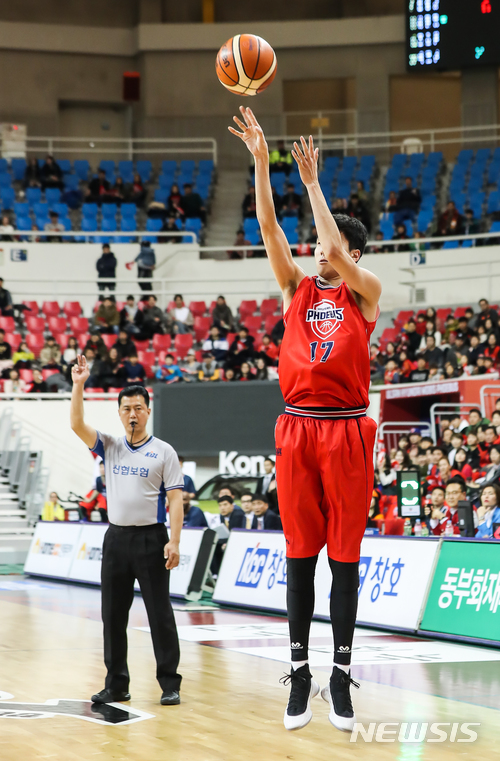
(232, 702)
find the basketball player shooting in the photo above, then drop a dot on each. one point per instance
(324, 441)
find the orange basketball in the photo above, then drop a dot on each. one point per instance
(246, 64)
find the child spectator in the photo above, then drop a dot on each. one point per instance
(169, 372)
(133, 371)
(209, 370)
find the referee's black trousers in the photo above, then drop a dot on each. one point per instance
(129, 553)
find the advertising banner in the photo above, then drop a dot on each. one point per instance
(86, 565)
(394, 577)
(52, 549)
(464, 598)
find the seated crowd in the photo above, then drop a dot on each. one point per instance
(464, 464)
(438, 345)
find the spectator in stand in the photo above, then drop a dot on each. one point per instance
(138, 191)
(192, 204)
(231, 517)
(246, 500)
(154, 319)
(106, 268)
(133, 371)
(240, 241)
(131, 317)
(107, 317)
(146, 262)
(430, 330)
(246, 373)
(124, 346)
(263, 517)
(169, 371)
(456, 443)
(194, 517)
(488, 512)
(6, 308)
(278, 332)
(361, 192)
(461, 465)
(54, 226)
(263, 371)
(38, 385)
(6, 229)
(94, 365)
(435, 372)
(222, 316)
(492, 348)
(217, 346)
(391, 205)
(413, 337)
(269, 351)
(50, 355)
(190, 367)
(356, 209)
(23, 357)
(473, 451)
(249, 205)
(32, 174)
(97, 345)
(111, 371)
(229, 374)
(14, 384)
(451, 371)
(208, 370)
(450, 221)
(291, 203)
(119, 191)
(486, 313)
(5, 348)
(51, 174)
(189, 486)
(405, 367)
(390, 353)
(174, 201)
(52, 510)
(431, 352)
(280, 160)
(470, 225)
(99, 189)
(492, 475)
(391, 374)
(180, 315)
(171, 225)
(400, 234)
(241, 349)
(435, 512)
(339, 206)
(455, 491)
(408, 203)
(377, 249)
(475, 420)
(70, 354)
(376, 365)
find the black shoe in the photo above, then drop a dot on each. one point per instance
(338, 695)
(109, 696)
(298, 711)
(170, 698)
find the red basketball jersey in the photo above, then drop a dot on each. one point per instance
(325, 355)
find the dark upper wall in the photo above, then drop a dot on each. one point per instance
(110, 13)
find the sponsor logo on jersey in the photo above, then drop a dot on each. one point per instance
(325, 318)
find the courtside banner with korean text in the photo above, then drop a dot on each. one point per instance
(394, 577)
(52, 549)
(189, 548)
(464, 598)
(86, 565)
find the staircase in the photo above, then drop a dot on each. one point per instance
(15, 533)
(226, 216)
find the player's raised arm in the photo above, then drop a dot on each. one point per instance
(359, 280)
(287, 273)
(79, 373)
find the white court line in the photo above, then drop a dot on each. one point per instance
(218, 632)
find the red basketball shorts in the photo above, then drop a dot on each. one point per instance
(324, 473)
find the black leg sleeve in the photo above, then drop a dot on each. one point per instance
(117, 594)
(300, 603)
(343, 608)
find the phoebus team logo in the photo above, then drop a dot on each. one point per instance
(325, 318)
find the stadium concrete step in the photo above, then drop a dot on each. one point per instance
(23, 530)
(12, 522)
(226, 214)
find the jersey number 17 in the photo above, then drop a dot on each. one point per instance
(328, 345)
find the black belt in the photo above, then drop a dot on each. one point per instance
(326, 413)
(131, 528)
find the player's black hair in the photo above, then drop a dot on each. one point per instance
(134, 391)
(257, 497)
(457, 480)
(353, 230)
(225, 498)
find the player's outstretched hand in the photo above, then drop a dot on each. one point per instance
(80, 371)
(251, 132)
(307, 160)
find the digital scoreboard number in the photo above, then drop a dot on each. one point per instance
(452, 34)
(409, 494)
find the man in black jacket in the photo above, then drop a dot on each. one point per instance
(266, 484)
(263, 517)
(51, 174)
(124, 346)
(106, 268)
(409, 200)
(230, 517)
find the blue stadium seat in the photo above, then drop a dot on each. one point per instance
(424, 219)
(326, 177)
(126, 170)
(18, 167)
(128, 225)
(495, 227)
(331, 163)
(202, 190)
(277, 181)
(493, 202)
(166, 181)
(468, 243)
(343, 191)
(154, 225)
(109, 210)
(475, 184)
(327, 189)
(4, 165)
(465, 156)
(367, 161)
(23, 223)
(64, 165)
(459, 200)
(435, 158)
(292, 237)
(476, 203)
(387, 229)
(5, 180)
(451, 244)
(398, 162)
(33, 195)
(161, 195)
(81, 168)
(21, 209)
(144, 169)
(41, 209)
(8, 197)
(187, 166)
(41, 221)
(417, 159)
(494, 172)
(109, 224)
(254, 237)
(250, 225)
(409, 227)
(344, 176)
(128, 210)
(289, 223)
(108, 166)
(61, 209)
(428, 202)
(89, 210)
(193, 225)
(206, 167)
(185, 179)
(89, 224)
(71, 181)
(52, 195)
(169, 166)
(427, 187)
(483, 155)
(393, 176)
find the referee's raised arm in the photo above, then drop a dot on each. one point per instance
(79, 373)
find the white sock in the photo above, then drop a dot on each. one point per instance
(341, 666)
(297, 664)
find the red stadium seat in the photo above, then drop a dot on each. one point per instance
(51, 309)
(147, 357)
(402, 318)
(142, 345)
(201, 327)
(460, 311)
(26, 375)
(198, 308)
(120, 305)
(79, 325)
(182, 343)
(148, 369)
(109, 339)
(170, 305)
(394, 526)
(13, 339)
(247, 308)
(199, 355)
(35, 324)
(258, 339)
(161, 343)
(47, 373)
(212, 306)
(268, 306)
(441, 315)
(57, 324)
(72, 309)
(388, 334)
(270, 322)
(62, 339)
(33, 306)
(82, 339)
(113, 390)
(230, 338)
(253, 323)
(8, 324)
(36, 342)
(94, 391)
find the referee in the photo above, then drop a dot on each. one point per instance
(140, 470)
